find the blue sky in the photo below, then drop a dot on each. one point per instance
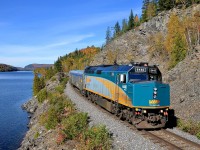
(39, 31)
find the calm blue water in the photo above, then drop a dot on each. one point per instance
(15, 89)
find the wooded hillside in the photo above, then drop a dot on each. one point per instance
(78, 59)
(4, 68)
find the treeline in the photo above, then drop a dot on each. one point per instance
(78, 60)
(150, 9)
(117, 30)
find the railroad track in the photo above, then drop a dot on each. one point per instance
(162, 137)
(169, 140)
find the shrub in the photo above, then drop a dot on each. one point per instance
(64, 81)
(53, 97)
(74, 125)
(36, 135)
(190, 127)
(60, 89)
(53, 78)
(60, 102)
(96, 137)
(42, 95)
(63, 107)
(52, 119)
(60, 107)
(198, 135)
(38, 83)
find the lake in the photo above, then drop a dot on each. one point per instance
(15, 89)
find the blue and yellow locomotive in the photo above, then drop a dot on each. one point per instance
(133, 92)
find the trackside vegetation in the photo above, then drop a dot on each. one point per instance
(62, 116)
(190, 127)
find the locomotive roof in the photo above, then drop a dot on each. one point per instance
(78, 72)
(109, 68)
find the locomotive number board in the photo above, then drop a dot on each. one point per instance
(140, 69)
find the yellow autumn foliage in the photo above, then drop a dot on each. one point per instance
(79, 59)
(176, 43)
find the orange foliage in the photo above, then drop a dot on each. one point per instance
(79, 59)
(89, 50)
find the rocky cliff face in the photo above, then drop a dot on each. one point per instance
(184, 81)
(135, 45)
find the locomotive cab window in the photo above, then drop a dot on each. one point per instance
(122, 78)
(144, 73)
(155, 74)
(138, 74)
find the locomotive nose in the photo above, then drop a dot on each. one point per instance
(151, 94)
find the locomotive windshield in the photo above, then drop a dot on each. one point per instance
(138, 74)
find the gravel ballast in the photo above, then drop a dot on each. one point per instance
(123, 137)
(185, 135)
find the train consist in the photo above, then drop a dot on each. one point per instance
(133, 92)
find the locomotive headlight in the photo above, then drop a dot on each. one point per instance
(155, 92)
(161, 111)
(145, 111)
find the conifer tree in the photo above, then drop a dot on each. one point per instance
(35, 84)
(166, 4)
(151, 10)
(124, 25)
(131, 21)
(38, 83)
(58, 65)
(108, 35)
(117, 29)
(144, 10)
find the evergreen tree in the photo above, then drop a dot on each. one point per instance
(151, 10)
(155, 2)
(108, 35)
(131, 21)
(124, 25)
(196, 1)
(144, 10)
(50, 72)
(58, 65)
(166, 4)
(117, 29)
(36, 84)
